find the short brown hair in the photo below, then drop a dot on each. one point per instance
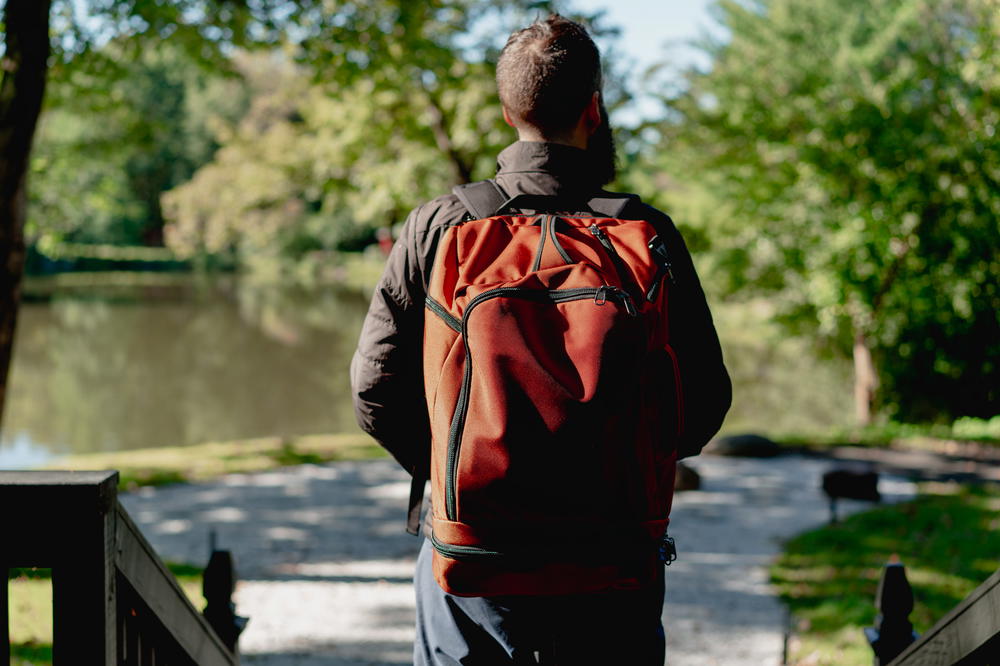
(548, 72)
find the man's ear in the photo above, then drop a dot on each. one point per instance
(506, 117)
(592, 114)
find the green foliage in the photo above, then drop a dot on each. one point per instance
(314, 168)
(211, 460)
(132, 88)
(972, 428)
(380, 106)
(29, 572)
(360, 111)
(179, 569)
(288, 455)
(30, 654)
(828, 577)
(841, 158)
(965, 434)
(102, 160)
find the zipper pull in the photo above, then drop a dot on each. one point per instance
(601, 297)
(627, 300)
(621, 295)
(605, 242)
(654, 288)
(659, 250)
(664, 268)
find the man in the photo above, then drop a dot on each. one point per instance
(549, 84)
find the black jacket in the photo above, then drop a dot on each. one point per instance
(386, 371)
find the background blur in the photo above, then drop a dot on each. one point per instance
(212, 190)
(209, 180)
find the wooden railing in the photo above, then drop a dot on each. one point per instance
(113, 599)
(969, 635)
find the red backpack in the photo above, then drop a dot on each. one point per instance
(554, 397)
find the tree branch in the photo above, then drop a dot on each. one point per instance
(443, 139)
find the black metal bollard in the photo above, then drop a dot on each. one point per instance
(893, 631)
(850, 482)
(218, 584)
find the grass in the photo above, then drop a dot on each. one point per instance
(30, 593)
(949, 544)
(942, 438)
(181, 464)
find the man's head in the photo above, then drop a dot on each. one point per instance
(548, 75)
(549, 82)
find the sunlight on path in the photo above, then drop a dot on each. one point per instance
(326, 569)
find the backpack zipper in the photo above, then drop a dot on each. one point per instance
(541, 242)
(441, 311)
(555, 241)
(463, 552)
(548, 230)
(600, 296)
(624, 275)
(534, 550)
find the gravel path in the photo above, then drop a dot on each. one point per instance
(326, 570)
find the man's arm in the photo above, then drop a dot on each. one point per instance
(707, 390)
(387, 370)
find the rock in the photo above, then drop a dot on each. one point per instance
(743, 446)
(686, 478)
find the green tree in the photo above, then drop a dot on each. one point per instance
(405, 52)
(69, 35)
(841, 157)
(391, 103)
(102, 160)
(316, 167)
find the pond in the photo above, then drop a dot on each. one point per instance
(176, 361)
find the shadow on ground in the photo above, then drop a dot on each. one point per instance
(325, 566)
(326, 569)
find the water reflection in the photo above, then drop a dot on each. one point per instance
(124, 367)
(121, 369)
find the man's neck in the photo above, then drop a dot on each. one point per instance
(576, 139)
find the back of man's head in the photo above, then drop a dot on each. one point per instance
(547, 74)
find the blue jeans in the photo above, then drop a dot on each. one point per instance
(616, 627)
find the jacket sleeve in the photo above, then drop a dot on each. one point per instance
(705, 383)
(386, 371)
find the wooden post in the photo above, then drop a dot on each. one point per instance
(103, 570)
(83, 597)
(66, 520)
(4, 616)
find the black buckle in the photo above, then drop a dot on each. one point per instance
(668, 550)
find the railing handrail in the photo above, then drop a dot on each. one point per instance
(969, 629)
(149, 577)
(73, 522)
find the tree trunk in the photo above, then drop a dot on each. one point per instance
(865, 380)
(24, 66)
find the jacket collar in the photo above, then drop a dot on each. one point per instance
(544, 168)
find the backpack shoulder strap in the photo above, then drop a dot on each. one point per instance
(481, 199)
(615, 205)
